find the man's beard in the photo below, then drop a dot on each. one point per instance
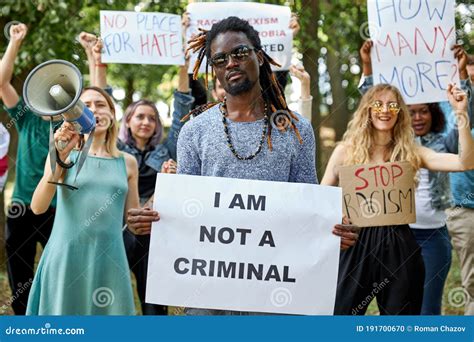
(239, 88)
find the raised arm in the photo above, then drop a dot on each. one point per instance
(366, 81)
(87, 41)
(17, 34)
(305, 100)
(464, 160)
(183, 101)
(100, 68)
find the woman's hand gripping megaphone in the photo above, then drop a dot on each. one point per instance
(65, 139)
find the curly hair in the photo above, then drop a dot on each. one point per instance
(438, 122)
(359, 137)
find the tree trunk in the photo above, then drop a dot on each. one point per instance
(129, 90)
(309, 30)
(339, 115)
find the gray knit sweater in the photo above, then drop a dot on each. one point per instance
(203, 150)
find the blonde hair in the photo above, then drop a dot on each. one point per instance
(359, 137)
(112, 132)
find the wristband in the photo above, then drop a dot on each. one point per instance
(61, 163)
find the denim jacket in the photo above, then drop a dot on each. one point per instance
(440, 142)
(150, 161)
(439, 181)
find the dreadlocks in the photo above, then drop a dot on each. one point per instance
(272, 92)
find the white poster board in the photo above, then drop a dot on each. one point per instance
(141, 38)
(244, 245)
(412, 41)
(271, 21)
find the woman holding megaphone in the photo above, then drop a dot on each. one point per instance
(83, 269)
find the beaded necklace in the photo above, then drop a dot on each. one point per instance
(223, 109)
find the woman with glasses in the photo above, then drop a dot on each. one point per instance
(433, 193)
(386, 263)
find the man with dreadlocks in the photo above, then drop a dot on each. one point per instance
(234, 138)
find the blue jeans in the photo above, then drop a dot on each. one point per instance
(436, 251)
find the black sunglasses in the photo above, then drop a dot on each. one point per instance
(240, 53)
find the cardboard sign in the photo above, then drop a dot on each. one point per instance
(141, 38)
(378, 195)
(412, 41)
(271, 21)
(238, 244)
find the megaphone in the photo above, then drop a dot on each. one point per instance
(53, 88)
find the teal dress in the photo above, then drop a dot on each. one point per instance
(84, 269)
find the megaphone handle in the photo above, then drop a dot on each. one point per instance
(84, 153)
(52, 149)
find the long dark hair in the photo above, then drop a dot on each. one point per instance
(125, 133)
(438, 122)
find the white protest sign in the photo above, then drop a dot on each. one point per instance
(244, 245)
(412, 41)
(271, 21)
(141, 38)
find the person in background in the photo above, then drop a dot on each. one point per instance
(461, 215)
(4, 143)
(432, 195)
(24, 229)
(305, 101)
(141, 135)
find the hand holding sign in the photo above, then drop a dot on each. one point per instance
(348, 233)
(365, 57)
(241, 243)
(461, 55)
(139, 220)
(458, 99)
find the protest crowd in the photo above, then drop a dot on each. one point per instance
(92, 199)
